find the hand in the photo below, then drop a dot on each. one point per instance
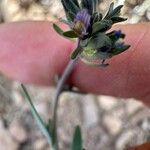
(31, 52)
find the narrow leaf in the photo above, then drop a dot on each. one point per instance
(77, 139)
(113, 13)
(70, 34)
(58, 29)
(76, 3)
(95, 5)
(75, 53)
(69, 18)
(118, 19)
(50, 126)
(101, 26)
(87, 4)
(117, 51)
(71, 15)
(111, 7)
(70, 8)
(37, 117)
(96, 17)
(116, 11)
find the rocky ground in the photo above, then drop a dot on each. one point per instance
(108, 123)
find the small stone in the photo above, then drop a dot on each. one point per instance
(113, 124)
(40, 144)
(103, 6)
(132, 106)
(43, 109)
(18, 132)
(10, 10)
(130, 137)
(57, 9)
(35, 12)
(90, 112)
(46, 2)
(131, 2)
(107, 102)
(6, 140)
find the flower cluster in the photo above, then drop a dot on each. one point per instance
(92, 29)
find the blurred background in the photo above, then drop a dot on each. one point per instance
(108, 123)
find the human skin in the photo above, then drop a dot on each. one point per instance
(33, 53)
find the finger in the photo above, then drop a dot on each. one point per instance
(128, 74)
(32, 52)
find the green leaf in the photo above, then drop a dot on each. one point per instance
(99, 40)
(76, 3)
(76, 52)
(69, 18)
(71, 9)
(116, 11)
(89, 5)
(117, 51)
(101, 26)
(77, 139)
(62, 33)
(111, 7)
(96, 17)
(50, 127)
(37, 117)
(118, 19)
(95, 5)
(70, 34)
(58, 29)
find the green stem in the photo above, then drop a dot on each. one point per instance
(59, 89)
(37, 117)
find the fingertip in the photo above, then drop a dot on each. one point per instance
(32, 52)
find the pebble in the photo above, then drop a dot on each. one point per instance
(6, 140)
(18, 132)
(130, 138)
(40, 144)
(107, 102)
(113, 124)
(132, 106)
(131, 2)
(90, 111)
(43, 109)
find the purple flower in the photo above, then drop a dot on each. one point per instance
(118, 33)
(82, 22)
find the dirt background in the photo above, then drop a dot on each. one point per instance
(108, 123)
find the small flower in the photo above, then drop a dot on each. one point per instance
(92, 29)
(118, 33)
(82, 22)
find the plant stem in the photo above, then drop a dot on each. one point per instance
(59, 89)
(36, 115)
